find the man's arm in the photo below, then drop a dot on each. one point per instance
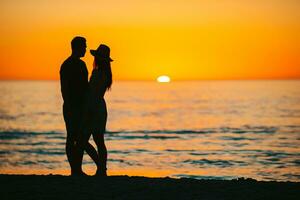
(64, 84)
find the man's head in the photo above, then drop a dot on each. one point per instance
(78, 45)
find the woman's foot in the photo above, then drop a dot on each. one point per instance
(101, 173)
(79, 173)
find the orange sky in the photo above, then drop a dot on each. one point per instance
(185, 39)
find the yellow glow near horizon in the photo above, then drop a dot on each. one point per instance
(163, 79)
(189, 40)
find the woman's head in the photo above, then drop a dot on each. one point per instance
(102, 62)
(103, 51)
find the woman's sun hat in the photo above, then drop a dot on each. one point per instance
(103, 52)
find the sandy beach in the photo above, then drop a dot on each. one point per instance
(124, 187)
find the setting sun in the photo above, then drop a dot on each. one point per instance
(163, 79)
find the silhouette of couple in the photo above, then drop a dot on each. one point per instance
(84, 107)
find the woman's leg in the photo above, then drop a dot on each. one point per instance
(85, 145)
(91, 151)
(102, 153)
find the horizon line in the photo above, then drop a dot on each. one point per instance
(173, 80)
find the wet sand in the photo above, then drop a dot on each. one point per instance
(123, 187)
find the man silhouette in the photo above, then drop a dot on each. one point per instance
(74, 85)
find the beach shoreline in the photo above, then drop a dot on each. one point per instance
(125, 187)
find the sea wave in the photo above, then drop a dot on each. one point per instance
(146, 134)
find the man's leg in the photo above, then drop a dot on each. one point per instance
(70, 151)
(79, 142)
(75, 154)
(79, 151)
(82, 144)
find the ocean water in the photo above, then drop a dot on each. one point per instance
(201, 129)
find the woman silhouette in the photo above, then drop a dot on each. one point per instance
(96, 116)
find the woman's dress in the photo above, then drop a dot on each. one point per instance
(96, 106)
